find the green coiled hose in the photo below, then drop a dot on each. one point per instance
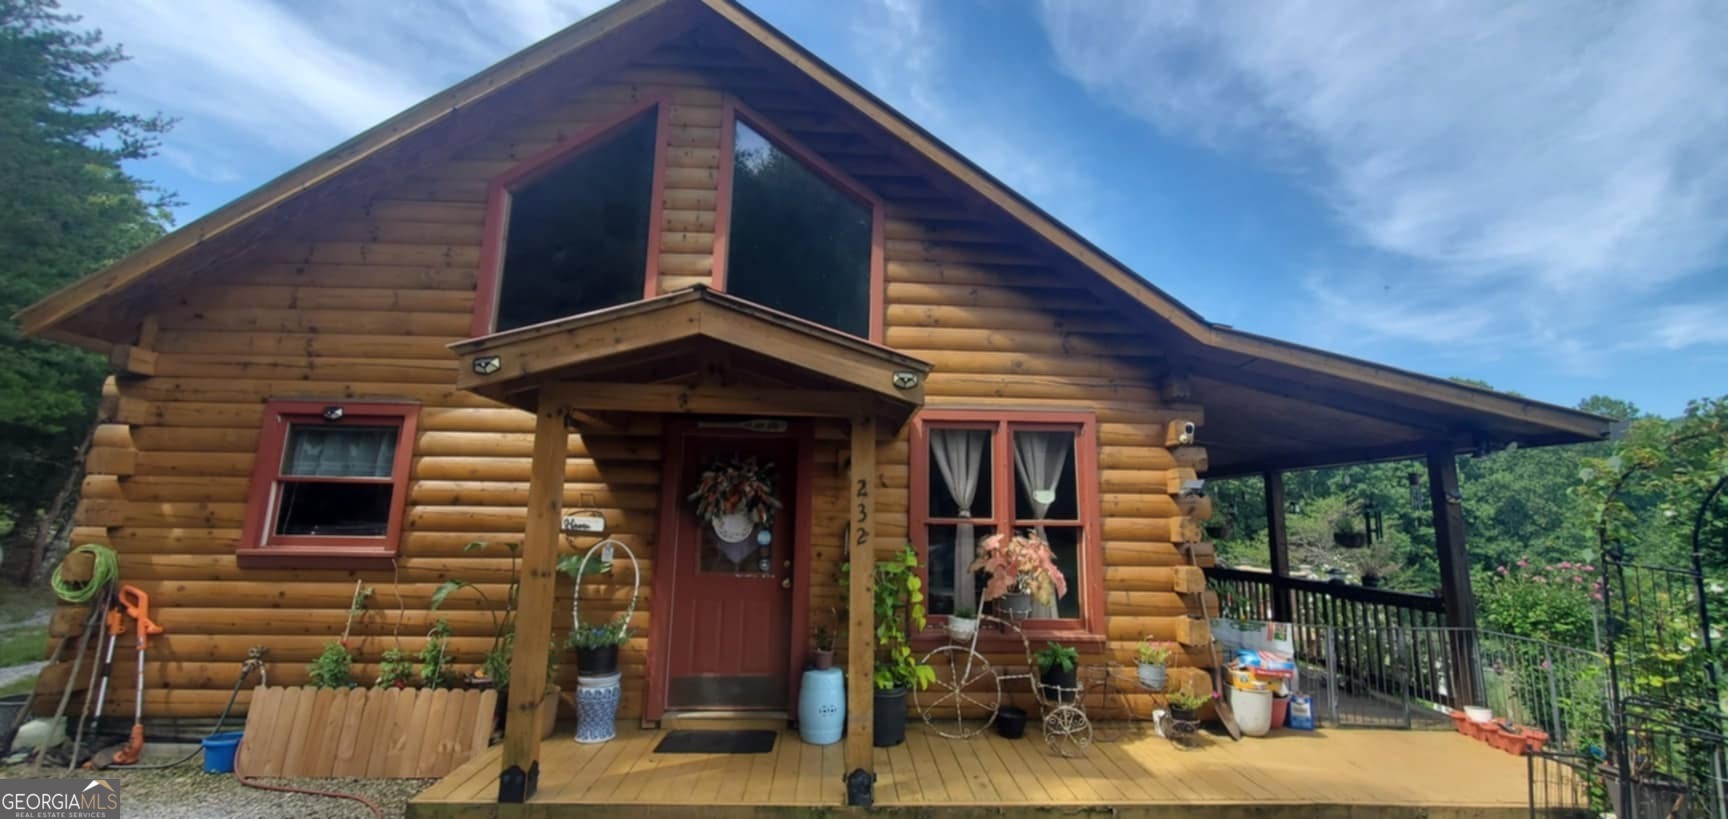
(105, 569)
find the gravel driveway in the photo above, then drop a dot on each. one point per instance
(187, 792)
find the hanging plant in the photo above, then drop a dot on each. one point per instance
(737, 486)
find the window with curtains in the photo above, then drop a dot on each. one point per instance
(976, 474)
(330, 480)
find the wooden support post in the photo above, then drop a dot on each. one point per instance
(1278, 544)
(1448, 507)
(860, 597)
(520, 767)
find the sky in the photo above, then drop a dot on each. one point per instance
(1530, 194)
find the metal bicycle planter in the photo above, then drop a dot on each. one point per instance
(963, 700)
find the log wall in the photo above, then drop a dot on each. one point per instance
(360, 299)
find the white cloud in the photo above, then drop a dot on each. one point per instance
(293, 79)
(900, 48)
(1554, 164)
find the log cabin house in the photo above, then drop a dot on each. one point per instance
(568, 282)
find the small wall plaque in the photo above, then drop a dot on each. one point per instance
(584, 523)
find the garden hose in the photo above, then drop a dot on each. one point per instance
(105, 569)
(254, 660)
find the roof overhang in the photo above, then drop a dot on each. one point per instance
(1462, 415)
(694, 351)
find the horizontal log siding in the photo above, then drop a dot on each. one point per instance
(360, 300)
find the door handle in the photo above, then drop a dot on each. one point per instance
(786, 583)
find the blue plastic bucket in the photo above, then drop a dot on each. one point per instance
(219, 751)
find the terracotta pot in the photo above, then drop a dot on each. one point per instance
(1512, 743)
(1534, 738)
(822, 660)
(1460, 722)
(1280, 711)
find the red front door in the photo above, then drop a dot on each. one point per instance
(731, 606)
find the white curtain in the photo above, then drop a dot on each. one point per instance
(959, 453)
(1039, 459)
(341, 452)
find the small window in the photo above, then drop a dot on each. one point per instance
(330, 481)
(796, 241)
(988, 473)
(577, 236)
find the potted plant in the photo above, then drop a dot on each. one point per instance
(822, 652)
(1185, 707)
(436, 664)
(1059, 671)
(1153, 658)
(898, 603)
(1022, 570)
(597, 646)
(494, 669)
(1376, 564)
(963, 625)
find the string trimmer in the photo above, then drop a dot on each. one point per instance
(138, 607)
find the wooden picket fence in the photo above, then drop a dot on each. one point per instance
(376, 733)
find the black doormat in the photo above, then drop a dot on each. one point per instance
(717, 742)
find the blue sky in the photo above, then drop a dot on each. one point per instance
(1531, 194)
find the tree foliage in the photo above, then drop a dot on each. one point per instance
(67, 207)
(1533, 517)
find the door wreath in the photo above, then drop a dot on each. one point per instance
(736, 497)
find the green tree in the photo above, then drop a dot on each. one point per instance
(67, 207)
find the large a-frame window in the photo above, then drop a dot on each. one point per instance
(574, 227)
(801, 237)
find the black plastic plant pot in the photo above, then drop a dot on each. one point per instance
(1061, 685)
(596, 662)
(1184, 714)
(890, 717)
(1011, 722)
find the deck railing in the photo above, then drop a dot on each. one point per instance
(1380, 657)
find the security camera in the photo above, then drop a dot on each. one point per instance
(1179, 433)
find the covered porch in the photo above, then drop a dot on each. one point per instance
(696, 353)
(1353, 773)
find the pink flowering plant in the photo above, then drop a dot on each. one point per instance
(1022, 563)
(1554, 602)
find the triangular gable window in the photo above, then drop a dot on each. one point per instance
(576, 235)
(801, 237)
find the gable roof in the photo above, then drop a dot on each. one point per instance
(1515, 418)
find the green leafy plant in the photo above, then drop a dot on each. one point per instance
(898, 602)
(599, 635)
(435, 660)
(1055, 654)
(333, 668)
(965, 613)
(1150, 653)
(1185, 701)
(496, 664)
(395, 670)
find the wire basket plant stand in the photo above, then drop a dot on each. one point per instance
(963, 700)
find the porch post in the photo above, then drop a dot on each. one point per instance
(1455, 594)
(520, 767)
(860, 600)
(1279, 546)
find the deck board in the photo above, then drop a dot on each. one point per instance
(1367, 772)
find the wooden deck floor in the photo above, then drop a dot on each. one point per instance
(1355, 773)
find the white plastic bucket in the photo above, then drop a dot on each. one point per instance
(1253, 710)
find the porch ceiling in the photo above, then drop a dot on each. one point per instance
(1263, 413)
(695, 351)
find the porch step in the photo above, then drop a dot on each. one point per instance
(724, 720)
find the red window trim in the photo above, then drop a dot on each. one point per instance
(732, 111)
(498, 193)
(259, 547)
(1089, 627)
